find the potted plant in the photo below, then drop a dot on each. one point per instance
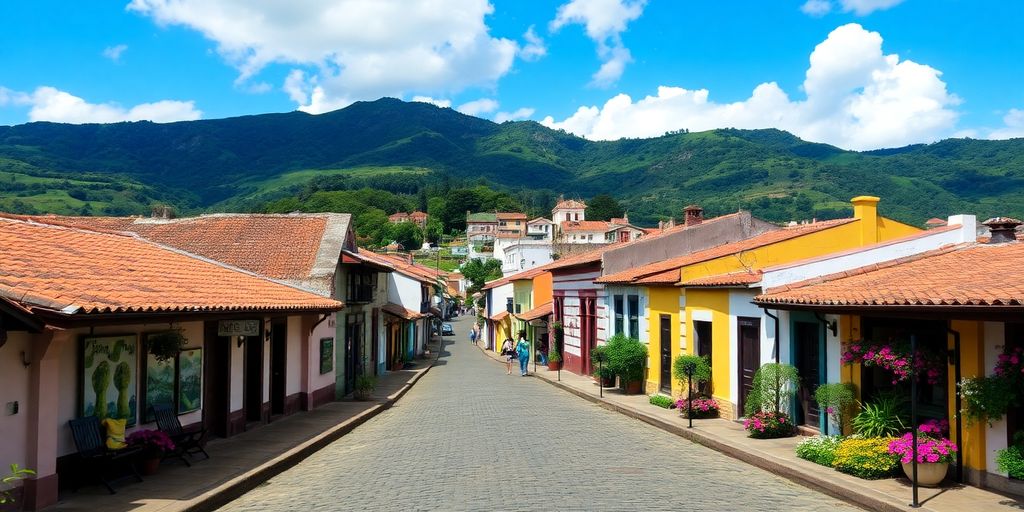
(1010, 460)
(834, 398)
(602, 372)
(364, 387)
(702, 407)
(687, 367)
(774, 387)
(555, 349)
(554, 360)
(934, 453)
(627, 358)
(166, 345)
(154, 443)
(17, 473)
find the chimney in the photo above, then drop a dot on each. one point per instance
(1002, 229)
(693, 214)
(865, 208)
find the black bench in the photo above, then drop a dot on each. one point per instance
(186, 442)
(100, 462)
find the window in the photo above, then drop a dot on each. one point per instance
(634, 315)
(617, 305)
(590, 237)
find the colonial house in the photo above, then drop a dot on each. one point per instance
(541, 229)
(519, 254)
(417, 217)
(961, 303)
(78, 309)
(481, 227)
(511, 223)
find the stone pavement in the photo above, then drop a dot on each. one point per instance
(469, 437)
(242, 462)
(778, 455)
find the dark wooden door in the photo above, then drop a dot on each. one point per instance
(253, 379)
(666, 354)
(278, 364)
(807, 357)
(217, 376)
(702, 331)
(749, 356)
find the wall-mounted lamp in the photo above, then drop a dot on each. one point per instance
(241, 341)
(25, 360)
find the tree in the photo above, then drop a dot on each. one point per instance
(408, 234)
(374, 226)
(478, 271)
(434, 230)
(603, 207)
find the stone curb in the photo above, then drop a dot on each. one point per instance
(237, 486)
(858, 495)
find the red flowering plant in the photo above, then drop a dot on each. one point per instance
(896, 358)
(155, 442)
(702, 407)
(932, 446)
(768, 425)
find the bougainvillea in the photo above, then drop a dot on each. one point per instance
(1011, 364)
(896, 359)
(768, 425)
(151, 440)
(702, 407)
(931, 446)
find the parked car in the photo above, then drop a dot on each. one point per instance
(447, 330)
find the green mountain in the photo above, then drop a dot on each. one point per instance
(246, 162)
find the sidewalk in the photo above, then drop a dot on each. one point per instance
(242, 462)
(778, 455)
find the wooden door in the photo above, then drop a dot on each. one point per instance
(749, 356)
(702, 331)
(217, 379)
(253, 379)
(666, 354)
(807, 356)
(278, 364)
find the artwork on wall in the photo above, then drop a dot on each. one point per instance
(326, 355)
(190, 380)
(109, 378)
(160, 382)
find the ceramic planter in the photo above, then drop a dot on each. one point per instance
(149, 465)
(634, 388)
(554, 365)
(929, 474)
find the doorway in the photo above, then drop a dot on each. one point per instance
(666, 354)
(253, 379)
(702, 333)
(749, 356)
(807, 356)
(217, 376)
(278, 364)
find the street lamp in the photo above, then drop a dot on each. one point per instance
(600, 372)
(689, 367)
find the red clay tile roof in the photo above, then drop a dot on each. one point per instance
(962, 275)
(417, 215)
(302, 249)
(401, 265)
(570, 204)
(591, 256)
(538, 312)
(511, 216)
(78, 271)
(935, 221)
(585, 225)
(771, 237)
(499, 316)
(401, 312)
(398, 216)
(731, 279)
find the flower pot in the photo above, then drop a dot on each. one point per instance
(150, 465)
(554, 365)
(608, 382)
(634, 388)
(929, 474)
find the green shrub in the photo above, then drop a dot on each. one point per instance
(1011, 461)
(774, 385)
(819, 449)
(880, 418)
(866, 457)
(602, 370)
(626, 358)
(662, 401)
(701, 368)
(987, 398)
(834, 398)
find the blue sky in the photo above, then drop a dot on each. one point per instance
(860, 74)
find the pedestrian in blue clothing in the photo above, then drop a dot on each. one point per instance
(523, 352)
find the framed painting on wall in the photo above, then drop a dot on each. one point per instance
(109, 377)
(326, 355)
(159, 385)
(190, 380)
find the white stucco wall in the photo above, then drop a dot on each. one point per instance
(325, 329)
(404, 290)
(995, 436)
(14, 387)
(294, 362)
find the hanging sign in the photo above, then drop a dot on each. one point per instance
(238, 328)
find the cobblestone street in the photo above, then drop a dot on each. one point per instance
(470, 437)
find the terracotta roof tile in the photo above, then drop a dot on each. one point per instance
(83, 271)
(400, 312)
(570, 204)
(771, 237)
(731, 279)
(585, 225)
(584, 258)
(499, 316)
(511, 216)
(962, 275)
(538, 312)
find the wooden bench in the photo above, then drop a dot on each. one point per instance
(98, 461)
(186, 442)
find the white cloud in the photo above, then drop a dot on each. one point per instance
(433, 101)
(522, 113)
(816, 7)
(114, 52)
(865, 7)
(604, 21)
(51, 104)
(534, 48)
(349, 49)
(859, 7)
(856, 98)
(478, 107)
(1013, 126)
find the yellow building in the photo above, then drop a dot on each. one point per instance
(963, 305)
(718, 320)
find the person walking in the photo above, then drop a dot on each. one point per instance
(472, 335)
(523, 352)
(509, 351)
